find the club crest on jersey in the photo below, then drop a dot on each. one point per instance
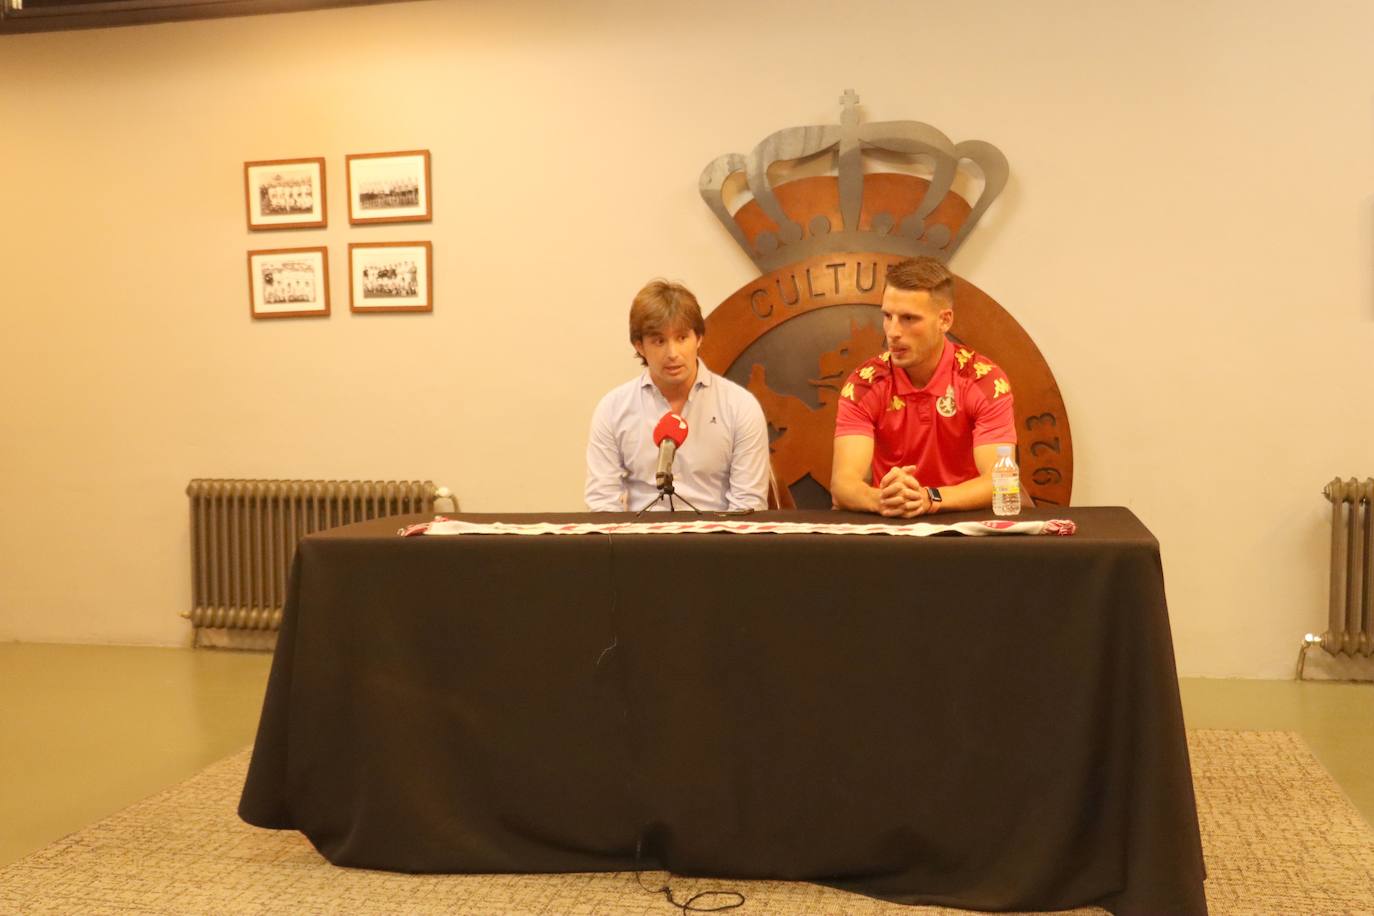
(946, 406)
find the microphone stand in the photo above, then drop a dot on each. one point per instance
(665, 489)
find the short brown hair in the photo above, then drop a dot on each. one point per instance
(923, 273)
(661, 306)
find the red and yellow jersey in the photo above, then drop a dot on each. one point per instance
(967, 402)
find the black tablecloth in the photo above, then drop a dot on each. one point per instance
(981, 722)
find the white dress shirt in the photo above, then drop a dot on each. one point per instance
(723, 464)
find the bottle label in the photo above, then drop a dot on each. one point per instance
(1007, 487)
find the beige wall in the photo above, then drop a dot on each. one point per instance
(1186, 234)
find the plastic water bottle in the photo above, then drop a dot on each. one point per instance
(1006, 483)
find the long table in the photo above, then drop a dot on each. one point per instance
(991, 723)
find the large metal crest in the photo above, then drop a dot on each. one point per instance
(823, 210)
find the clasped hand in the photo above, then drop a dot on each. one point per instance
(900, 494)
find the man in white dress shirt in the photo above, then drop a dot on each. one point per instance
(723, 465)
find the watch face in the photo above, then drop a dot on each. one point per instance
(934, 494)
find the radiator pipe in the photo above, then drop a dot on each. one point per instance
(446, 495)
(1308, 641)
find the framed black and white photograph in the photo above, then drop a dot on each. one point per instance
(285, 194)
(389, 187)
(289, 283)
(390, 277)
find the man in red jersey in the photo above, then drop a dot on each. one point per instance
(918, 426)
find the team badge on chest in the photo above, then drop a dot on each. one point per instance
(945, 406)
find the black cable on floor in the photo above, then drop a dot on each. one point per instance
(690, 905)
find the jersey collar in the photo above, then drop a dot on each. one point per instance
(939, 380)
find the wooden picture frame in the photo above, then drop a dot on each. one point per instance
(389, 187)
(391, 277)
(288, 283)
(286, 194)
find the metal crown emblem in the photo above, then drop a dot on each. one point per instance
(785, 223)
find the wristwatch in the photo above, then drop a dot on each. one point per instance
(935, 496)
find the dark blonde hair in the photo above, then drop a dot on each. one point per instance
(661, 306)
(923, 273)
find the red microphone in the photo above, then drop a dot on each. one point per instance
(669, 435)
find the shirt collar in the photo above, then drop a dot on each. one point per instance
(939, 379)
(704, 375)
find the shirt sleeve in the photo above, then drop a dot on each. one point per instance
(995, 420)
(605, 488)
(749, 457)
(854, 419)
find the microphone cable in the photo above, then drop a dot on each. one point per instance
(690, 905)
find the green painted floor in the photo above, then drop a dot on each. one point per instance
(88, 730)
(1336, 720)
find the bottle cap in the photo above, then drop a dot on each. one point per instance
(1004, 450)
